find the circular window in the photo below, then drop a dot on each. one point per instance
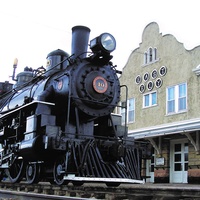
(150, 85)
(163, 70)
(154, 74)
(158, 82)
(142, 88)
(146, 76)
(138, 79)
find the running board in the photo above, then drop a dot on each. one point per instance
(72, 177)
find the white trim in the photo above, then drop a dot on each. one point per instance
(8, 112)
(72, 177)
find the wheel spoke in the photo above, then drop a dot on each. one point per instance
(59, 170)
(33, 173)
(2, 175)
(16, 171)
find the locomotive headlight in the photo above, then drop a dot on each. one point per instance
(105, 43)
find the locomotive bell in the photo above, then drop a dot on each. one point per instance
(55, 61)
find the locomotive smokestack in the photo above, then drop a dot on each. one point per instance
(80, 37)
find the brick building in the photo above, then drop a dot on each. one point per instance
(163, 105)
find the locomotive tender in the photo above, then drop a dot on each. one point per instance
(58, 125)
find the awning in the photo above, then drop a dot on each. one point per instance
(166, 129)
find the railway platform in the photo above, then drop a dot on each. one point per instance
(167, 186)
(168, 191)
(147, 191)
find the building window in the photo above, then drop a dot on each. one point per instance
(130, 111)
(150, 99)
(155, 54)
(177, 98)
(145, 58)
(150, 85)
(150, 55)
(163, 70)
(154, 74)
(123, 112)
(146, 76)
(138, 79)
(152, 164)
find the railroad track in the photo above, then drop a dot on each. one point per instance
(15, 195)
(45, 190)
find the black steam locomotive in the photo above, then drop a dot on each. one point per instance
(56, 124)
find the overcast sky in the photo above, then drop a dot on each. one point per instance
(30, 29)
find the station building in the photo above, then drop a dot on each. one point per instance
(163, 105)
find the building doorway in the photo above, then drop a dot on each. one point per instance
(179, 161)
(150, 163)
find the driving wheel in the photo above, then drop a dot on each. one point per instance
(59, 170)
(33, 173)
(16, 171)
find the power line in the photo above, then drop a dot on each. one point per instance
(33, 22)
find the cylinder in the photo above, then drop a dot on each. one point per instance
(80, 37)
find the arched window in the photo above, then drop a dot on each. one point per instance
(145, 58)
(155, 54)
(150, 55)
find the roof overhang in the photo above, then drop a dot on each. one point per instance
(166, 129)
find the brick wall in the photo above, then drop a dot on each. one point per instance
(193, 166)
(161, 175)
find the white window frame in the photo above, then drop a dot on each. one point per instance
(150, 51)
(128, 111)
(155, 54)
(150, 55)
(176, 99)
(131, 110)
(145, 57)
(150, 94)
(123, 112)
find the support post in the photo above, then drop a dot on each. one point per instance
(157, 147)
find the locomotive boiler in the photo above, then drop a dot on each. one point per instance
(58, 124)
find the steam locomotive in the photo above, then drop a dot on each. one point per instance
(57, 123)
